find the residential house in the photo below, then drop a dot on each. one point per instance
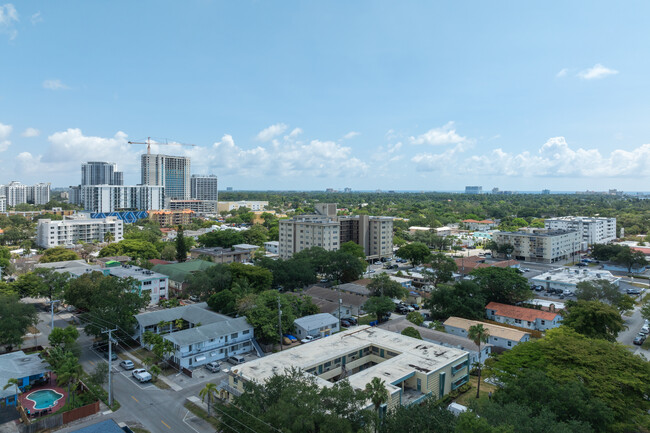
(154, 283)
(222, 255)
(500, 336)
(327, 301)
(528, 318)
(27, 369)
(316, 325)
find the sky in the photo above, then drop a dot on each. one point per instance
(308, 95)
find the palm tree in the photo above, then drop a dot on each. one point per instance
(109, 237)
(13, 382)
(378, 396)
(155, 371)
(209, 390)
(69, 373)
(478, 334)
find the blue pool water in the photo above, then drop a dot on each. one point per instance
(44, 398)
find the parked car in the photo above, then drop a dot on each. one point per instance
(236, 360)
(581, 264)
(639, 339)
(127, 364)
(415, 306)
(645, 330)
(307, 339)
(100, 346)
(526, 270)
(213, 366)
(113, 356)
(137, 371)
(633, 291)
(142, 376)
(194, 298)
(345, 323)
(352, 320)
(291, 337)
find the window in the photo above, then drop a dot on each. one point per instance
(543, 322)
(233, 336)
(509, 343)
(246, 332)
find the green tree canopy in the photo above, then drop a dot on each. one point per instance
(222, 238)
(603, 290)
(382, 285)
(181, 246)
(442, 269)
(379, 306)
(256, 234)
(504, 285)
(58, 254)
(416, 252)
(293, 273)
(463, 299)
(412, 332)
(15, 318)
(134, 248)
(259, 278)
(594, 319)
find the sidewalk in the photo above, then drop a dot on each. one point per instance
(171, 384)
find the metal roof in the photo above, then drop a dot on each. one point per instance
(206, 332)
(196, 313)
(316, 321)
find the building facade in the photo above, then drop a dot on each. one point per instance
(172, 172)
(3, 203)
(542, 246)
(171, 217)
(316, 325)
(529, 318)
(222, 255)
(153, 283)
(204, 187)
(417, 369)
(568, 278)
(72, 231)
(101, 173)
(115, 198)
(227, 206)
(473, 190)
(18, 193)
(593, 230)
(197, 206)
(500, 336)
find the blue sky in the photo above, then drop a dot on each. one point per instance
(308, 95)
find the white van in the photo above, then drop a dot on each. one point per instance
(456, 408)
(236, 360)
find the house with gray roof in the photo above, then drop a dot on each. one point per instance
(316, 325)
(27, 369)
(203, 335)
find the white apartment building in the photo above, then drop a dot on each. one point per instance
(18, 193)
(3, 203)
(307, 231)
(234, 205)
(594, 230)
(115, 198)
(172, 172)
(204, 187)
(72, 231)
(543, 246)
(153, 283)
(272, 247)
(198, 206)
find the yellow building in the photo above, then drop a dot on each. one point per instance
(411, 369)
(171, 217)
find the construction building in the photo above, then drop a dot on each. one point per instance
(116, 198)
(412, 370)
(171, 172)
(204, 187)
(197, 206)
(327, 230)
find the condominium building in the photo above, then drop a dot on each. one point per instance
(473, 190)
(72, 231)
(18, 193)
(411, 369)
(198, 206)
(204, 187)
(172, 172)
(593, 230)
(150, 282)
(115, 198)
(543, 246)
(101, 173)
(171, 217)
(3, 203)
(327, 230)
(227, 206)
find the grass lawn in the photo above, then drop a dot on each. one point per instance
(470, 395)
(365, 320)
(646, 344)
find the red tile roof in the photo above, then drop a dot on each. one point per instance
(521, 313)
(645, 250)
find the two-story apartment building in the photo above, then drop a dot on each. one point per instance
(500, 336)
(411, 369)
(529, 318)
(204, 336)
(316, 325)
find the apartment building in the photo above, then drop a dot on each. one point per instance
(171, 172)
(204, 187)
(500, 336)
(569, 278)
(222, 255)
(3, 203)
(73, 231)
(101, 173)
(18, 193)
(197, 206)
(171, 217)
(529, 318)
(153, 283)
(412, 369)
(204, 336)
(593, 230)
(475, 225)
(327, 230)
(542, 246)
(227, 206)
(115, 198)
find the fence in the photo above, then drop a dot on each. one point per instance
(80, 412)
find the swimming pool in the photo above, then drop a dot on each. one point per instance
(44, 398)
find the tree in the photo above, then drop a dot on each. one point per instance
(109, 237)
(412, 332)
(442, 269)
(222, 238)
(354, 249)
(416, 252)
(645, 310)
(382, 285)
(629, 258)
(378, 395)
(257, 234)
(134, 248)
(208, 391)
(53, 283)
(15, 318)
(99, 376)
(64, 338)
(594, 319)
(181, 247)
(290, 274)
(68, 372)
(609, 371)
(379, 306)
(492, 246)
(29, 284)
(603, 290)
(427, 417)
(463, 299)
(5, 257)
(415, 318)
(478, 334)
(259, 278)
(344, 267)
(58, 254)
(503, 285)
(168, 252)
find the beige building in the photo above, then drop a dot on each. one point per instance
(327, 230)
(543, 246)
(411, 369)
(227, 206)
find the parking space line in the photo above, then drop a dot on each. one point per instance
(188, 424)
(135, 399)
(165, 424)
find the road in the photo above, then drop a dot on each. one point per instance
(634, 324)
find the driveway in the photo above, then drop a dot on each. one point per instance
(634, 324)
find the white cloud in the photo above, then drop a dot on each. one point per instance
(31, 132)
(54, 85)
(350, 135)
(595, 72)
(5, 132)
(36, 18)
(553, 159)
(562, 72)
(446, 134)
(271, 132)
(8, 17)
(296, 132)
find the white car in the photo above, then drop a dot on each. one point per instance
(138, 371)
(127, 364)
(142, 375)
(307, 339)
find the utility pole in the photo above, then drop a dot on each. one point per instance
(280, 321)
(110, 364)
(52, 310)
(338, 289)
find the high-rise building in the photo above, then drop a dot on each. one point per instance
(172, 172)
(542, 246)
(327, 230)
(100, 173)
(593, 230)
(3, 203)
(474, 190)
(204, 187)
(546, 191)
(115, 198)
(17, 193)
(71, 231)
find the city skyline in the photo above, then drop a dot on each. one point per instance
(372, 95)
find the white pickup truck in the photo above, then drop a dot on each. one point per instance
(141, 375)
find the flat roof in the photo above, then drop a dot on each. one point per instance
(495, 330)
(412, 354)
(546, 234)
(574, 275)
(136, 272)
(316, 321)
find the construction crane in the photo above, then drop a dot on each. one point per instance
(148, 143)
